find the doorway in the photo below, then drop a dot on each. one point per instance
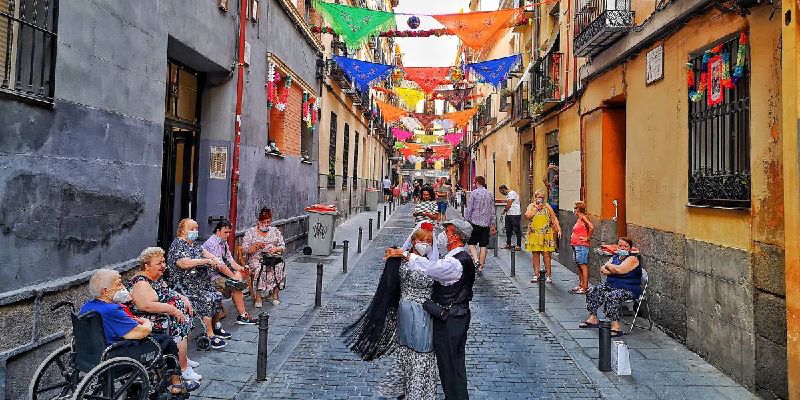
(614, 143)
(179, 173)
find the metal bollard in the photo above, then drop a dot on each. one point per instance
(369, 231)
(263, 331)
(513, 262)
(541, 289)
(496, 244)
(318, 295)
(360, 234)
(604, 341)
(384, 213)
(379, 220)
(345, 254)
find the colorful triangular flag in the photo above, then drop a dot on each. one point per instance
(476, 28)
(495, 71)
(428, 78)
(409, 96)
(354, 24)
(389, 112)
(362, 72)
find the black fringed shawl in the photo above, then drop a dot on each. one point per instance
(373, 333)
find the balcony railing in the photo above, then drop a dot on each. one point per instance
(600, 23)
(546, 78)
(521, 113)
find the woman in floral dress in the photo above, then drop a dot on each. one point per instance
(265, 239)
(153, 299)
(540, 240)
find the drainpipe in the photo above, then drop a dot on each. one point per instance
(238, 122)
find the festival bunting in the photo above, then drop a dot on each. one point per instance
(495, 71)
(411, 123)
(389, 112)
(456, 97)
(460, 118)
(362, 72)
(442, 151)
(427, 139)
(406, 152)
(426, 119)
(401, 135)
(428, 78)
(476, 28)
(354, 24)
(409, 96)
(445, 124)
(453, 138)
(415, 147)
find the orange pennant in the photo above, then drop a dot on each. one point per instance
(460, 118)
(415, 147)
(389, 112)
(407, 152)
(428, 78)
(476, 28)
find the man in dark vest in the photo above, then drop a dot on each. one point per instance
(454, 276)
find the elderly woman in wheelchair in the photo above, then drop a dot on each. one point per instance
(113, 354)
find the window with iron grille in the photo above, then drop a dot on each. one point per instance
(355, 162)
(332, 153)
(345, 155)
(28, 48)
(719, 137)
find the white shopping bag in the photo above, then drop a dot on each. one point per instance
(620, 358)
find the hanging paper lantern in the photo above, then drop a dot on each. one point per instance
(413, 22)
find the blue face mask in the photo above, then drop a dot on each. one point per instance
(192, 235)
(623, 252)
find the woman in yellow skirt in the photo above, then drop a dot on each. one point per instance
(540, 240)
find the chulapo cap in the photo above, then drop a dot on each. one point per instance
(463, 226)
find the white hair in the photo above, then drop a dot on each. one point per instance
(148, 253)
(102, 279)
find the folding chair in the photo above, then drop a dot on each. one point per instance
(637, 303)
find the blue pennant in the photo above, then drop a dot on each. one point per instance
(362, 72)
(495, 71)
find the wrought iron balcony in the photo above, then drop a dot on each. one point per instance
(521, 111)
(600, 23)
(546, 82)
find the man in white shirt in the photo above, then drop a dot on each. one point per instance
(387, 188)
(513, 217)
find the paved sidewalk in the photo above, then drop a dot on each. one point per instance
(662, 367)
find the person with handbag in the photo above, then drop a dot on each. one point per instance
(265, 246)
(454, 276)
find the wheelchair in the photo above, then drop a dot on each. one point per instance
(88, 369)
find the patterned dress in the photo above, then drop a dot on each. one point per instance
(426, 207)
(416, 374)
(265, 278)
(540, 232)
(163, 322)
(194, 283)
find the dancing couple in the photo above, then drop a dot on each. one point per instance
(420, 312)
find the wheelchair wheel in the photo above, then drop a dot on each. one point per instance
(56, 377)
(120, 378)
(203, 342)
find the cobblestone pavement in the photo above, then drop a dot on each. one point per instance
(510, 352)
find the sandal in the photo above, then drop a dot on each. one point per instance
(535, 279)
(579, 290)
(587, 325)
(617, 333)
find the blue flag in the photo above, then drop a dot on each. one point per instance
(495, 71)
(362, 72)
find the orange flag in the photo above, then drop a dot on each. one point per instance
(460, 118)
(415, 147)
(407, 152)
(389, 112)
(476, 28)
(428, 78)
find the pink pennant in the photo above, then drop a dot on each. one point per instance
(401, 135)
(453, 138)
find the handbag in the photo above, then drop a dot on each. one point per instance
(435, 309)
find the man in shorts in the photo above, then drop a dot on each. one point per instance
(228, 280)
(387, 188)
(480, 214)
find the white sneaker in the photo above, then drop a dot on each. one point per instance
(189, 375)
(192, 363)
(274, 302)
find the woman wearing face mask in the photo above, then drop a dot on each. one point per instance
(169, 311)
(540, 240)
(188, 270)
(396, 311)
(623, 283)
(265, 239)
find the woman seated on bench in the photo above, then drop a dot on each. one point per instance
(119, 324)
(623, 282)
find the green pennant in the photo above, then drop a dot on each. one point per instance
(354, 24)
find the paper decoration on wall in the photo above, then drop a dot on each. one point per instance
(362, 72)
(410, 97)
(425, 119)
(400, 134)
(476, 28)
(716, 94)
(495, 71)
(389, 112)
(456, 97)
(411, 123)
(453, 138)
(428, 78)
(460, 118)
(715, 72)
(354, 24)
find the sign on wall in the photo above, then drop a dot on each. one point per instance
(655, 65)
(219, 162)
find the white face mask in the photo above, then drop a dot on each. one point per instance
(422, 248)
(122, 296)
(442, 239)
